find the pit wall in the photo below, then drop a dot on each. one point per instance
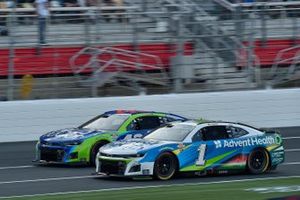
(27, 120)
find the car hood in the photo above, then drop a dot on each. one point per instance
(70, 134)
(133, 146)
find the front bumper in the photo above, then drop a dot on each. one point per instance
(119, 167)
(44, 162)
(58, 155)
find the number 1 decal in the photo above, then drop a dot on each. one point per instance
(200, 161)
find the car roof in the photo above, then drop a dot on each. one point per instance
(216, 122)
(112, 112)
(133, 112)
(235, 123)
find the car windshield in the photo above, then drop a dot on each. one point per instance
(106, 122)
(171, 132)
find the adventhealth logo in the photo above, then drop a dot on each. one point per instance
(218, 143)
(246, 142)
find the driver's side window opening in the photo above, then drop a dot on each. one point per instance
(214, 133)
(198, 136)
(142, 123)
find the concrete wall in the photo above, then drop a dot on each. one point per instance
(27, 120)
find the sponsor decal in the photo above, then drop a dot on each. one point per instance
(218, 144)
(278, 139)
(245, 142)
(181, 146)
(133, 136)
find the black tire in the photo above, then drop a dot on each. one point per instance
(95, 150)
(273, 168)
(165, 166)
(258, 161)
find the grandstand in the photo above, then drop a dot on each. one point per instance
(150, 46)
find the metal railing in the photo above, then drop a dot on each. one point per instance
(121, 62)
(232, 5)
(97, 52)
(230, 36)
(272, 19)
(292, 62)
(82, 25)
(229, 43)
(279, 60)
(294, 66)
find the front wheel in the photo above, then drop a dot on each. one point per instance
(165, 166)
(95, 150)
(258, 161)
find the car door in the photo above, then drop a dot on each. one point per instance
(205, 151)
(223, 147)
(211, 152)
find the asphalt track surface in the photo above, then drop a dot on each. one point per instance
(18, 176)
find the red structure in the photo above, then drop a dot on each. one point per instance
(55, 60)
(267, 51)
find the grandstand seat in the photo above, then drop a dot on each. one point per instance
(267, 51)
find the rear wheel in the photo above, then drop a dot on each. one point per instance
(95, 150)
(258, 161)
(165, 166)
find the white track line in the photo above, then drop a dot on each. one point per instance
(291, 150)
(153, 186)
(291, 163)
(83, 177)
(17, 167)
(32, 166)
(289, 138)
(47, 179)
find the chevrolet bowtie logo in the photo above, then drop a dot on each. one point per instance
(218, 143)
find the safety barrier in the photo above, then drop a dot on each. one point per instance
(27, 120)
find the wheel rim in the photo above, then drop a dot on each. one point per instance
(165, 167)
(258, 160)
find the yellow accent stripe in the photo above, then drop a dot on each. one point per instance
(178, 151)
(272, 147)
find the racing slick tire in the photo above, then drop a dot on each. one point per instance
(165, 166)
(273, 168)
(258, 161)
(95, 150)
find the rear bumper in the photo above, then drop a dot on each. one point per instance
(277, 156)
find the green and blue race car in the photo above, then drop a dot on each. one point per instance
(81, 144)
(199, 147)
